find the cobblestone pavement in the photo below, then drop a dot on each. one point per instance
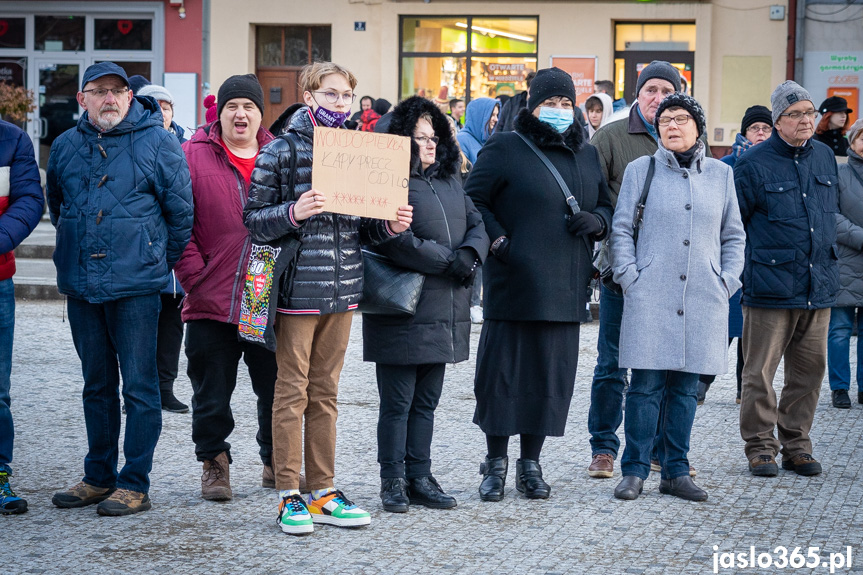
(580, 529)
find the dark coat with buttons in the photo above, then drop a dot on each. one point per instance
(836, 140)
(788, 200)
(685, 266)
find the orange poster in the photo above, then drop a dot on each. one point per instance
(583, 72)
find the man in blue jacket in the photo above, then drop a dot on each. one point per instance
(120, 197)
(788, 195)
(21, 205)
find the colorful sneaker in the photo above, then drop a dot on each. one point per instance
(336, 509)
(294, 516)
(9, 502)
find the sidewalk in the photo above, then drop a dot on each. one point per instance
(580, 529)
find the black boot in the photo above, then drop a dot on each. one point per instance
(841, 399)
(493, 478)
(428, 492)
(171, 403)
(629, 488)
(682, 487)
(394, 496)
(701, 394)
(528, 479)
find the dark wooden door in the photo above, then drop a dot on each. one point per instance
(281, 89)
(632, 59)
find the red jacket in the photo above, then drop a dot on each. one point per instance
(212, 269)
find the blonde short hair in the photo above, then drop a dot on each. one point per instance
(312, 75)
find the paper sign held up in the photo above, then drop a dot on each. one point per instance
(361, 173)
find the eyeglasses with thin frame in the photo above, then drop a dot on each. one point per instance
(334, 97)
(102, 92)
(424, 140)
(798, 116)
(763, 129)
(680, 120)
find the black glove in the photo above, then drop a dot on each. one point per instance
(584, 224)
(463, 263)
(468, 281)
(502, 251)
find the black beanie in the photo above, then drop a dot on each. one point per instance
(243, 86)
(660, 70)
(755, 114)
(688, 103)
(548, 83)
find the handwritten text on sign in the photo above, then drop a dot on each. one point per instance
(361, 173)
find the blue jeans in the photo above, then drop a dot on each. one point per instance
(839, 347)
(649, 389)
(606, 391)
(7, 333)
(476, 289)
(121, 331)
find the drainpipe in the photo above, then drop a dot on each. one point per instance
(791, 47)
(205, 49)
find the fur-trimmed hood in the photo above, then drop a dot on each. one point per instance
(404, 119)
(545, 136)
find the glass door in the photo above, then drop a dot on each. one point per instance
(57, 90)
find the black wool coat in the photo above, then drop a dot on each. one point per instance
(444, 219)
(545, 274)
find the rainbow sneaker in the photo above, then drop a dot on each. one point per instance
(9, 502)
(336, 509)
(294, 516)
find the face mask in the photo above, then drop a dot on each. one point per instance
(329, 118)
(558, 118)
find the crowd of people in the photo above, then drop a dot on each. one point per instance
(506, 204)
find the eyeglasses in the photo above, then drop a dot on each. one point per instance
(764, 129)
(680, 120)
(333, 97)
(424, 140)
(797, 116)
(102, 92)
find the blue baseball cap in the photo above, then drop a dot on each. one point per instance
(96, 71)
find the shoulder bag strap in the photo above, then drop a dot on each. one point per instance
(570, 200)
(639, 208)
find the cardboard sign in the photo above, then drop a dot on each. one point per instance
(583, 72)
(361, 173)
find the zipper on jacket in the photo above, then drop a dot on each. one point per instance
(245, 248)
(336, 267)
(451, 288)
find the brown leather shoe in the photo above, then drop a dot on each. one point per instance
(124, 502)
(81, 495)
(216, 479)
(601, 466)
(268, 477)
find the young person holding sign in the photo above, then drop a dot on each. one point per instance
(316, 307)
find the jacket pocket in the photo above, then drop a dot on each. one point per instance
(718, 273)
(639, 267)
(66, 253)
(827, 191)
(772, 273)
(782, 200)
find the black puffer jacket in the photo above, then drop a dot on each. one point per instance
(329, 275)
(444, 219)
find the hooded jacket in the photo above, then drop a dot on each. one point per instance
(444, 220)
(214, 264)
(607, 111)
(329, 270)
(121, 201)
(475, 132)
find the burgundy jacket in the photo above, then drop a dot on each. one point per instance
(212, 269)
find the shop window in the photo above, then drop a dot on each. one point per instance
(466, 57)
(136, 68)
(123, 34)
(59, 33)
(12, 33)
(638, 43)
(293, 45)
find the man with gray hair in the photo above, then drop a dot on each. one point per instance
(788, 195)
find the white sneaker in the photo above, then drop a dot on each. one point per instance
(476, 314)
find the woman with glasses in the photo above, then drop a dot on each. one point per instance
(676, 279)
(536, 281)
(447, 242)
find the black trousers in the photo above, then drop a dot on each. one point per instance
(214, 356)
(169, 341)
(409, 395)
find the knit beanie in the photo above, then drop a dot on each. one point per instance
(548, 83)
(755, 114)
(210, 104)
(787, 94)
(137, 82)
(158, 93)
(660, 70)
(855, 131)
(242, 86)
(688, 103)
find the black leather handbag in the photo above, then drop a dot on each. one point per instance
(387, 288)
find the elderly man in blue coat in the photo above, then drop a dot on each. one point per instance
(120, 197)
(787, 189)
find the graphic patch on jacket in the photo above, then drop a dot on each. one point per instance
(255, 305)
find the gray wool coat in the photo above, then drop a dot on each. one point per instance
(687, 264)
(849, 233)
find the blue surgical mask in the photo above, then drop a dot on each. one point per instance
(558, 118)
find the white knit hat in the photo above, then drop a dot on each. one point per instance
(855, 131)
(158, 93)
